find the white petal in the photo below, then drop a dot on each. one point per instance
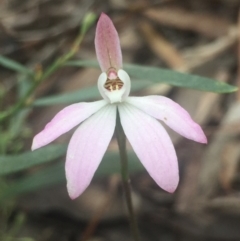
(152, 145)
(87, 147)
(101, 81)
(65, 120)
(171, 113)
(124, 77)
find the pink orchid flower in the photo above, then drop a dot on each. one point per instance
(138, 116)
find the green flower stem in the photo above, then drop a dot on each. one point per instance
(38, 78)
(121, 138)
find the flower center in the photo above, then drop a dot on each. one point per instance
(113, 82)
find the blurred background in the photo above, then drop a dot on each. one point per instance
(191, 36)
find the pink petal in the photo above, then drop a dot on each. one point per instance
(152, 145)
(65, 120)
(87, 147)
(172, 114)
(107, 44)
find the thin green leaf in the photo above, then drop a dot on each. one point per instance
(69, 98)
(55, 174)
(157, 75)
(85, 94)
(43, 178)
(15, 66)
(13, 163)
(87, 22)
(171, 77)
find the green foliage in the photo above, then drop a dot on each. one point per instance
(158, 75)
(87, 22)
(69, 98)
(9, 232)
(13, 163)
(15, 66)
(55, 174)
(171, 77)
(84, 94)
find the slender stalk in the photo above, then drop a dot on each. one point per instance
(121, 138)
(39, 77)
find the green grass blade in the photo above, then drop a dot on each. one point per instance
(55, 174)
(86, 94)
(13, 163)
(15, 66)
(159, 75)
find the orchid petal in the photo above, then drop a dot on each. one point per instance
(101, 81)
(124, 77)
(152, 145)
(107, 44)
(87, 147)
(65, 120)
(172, 114)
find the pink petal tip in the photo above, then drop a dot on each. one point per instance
(107, 44)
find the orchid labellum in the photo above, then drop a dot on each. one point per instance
(138, 115)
